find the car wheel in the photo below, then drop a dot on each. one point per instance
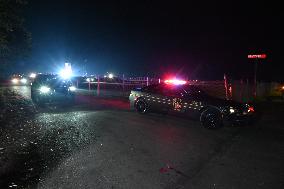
(211, 118)
(141, 106)
(71, 99)
(36, 99)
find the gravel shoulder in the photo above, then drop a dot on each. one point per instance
(111, 147)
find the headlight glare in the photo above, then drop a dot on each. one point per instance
(44, 89)
(15, 80)
(232, 110)
(72, 88)
(24, 80)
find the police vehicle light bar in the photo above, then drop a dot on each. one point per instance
(175, 81)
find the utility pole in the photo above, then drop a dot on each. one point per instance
(256, 57)
(255, 77)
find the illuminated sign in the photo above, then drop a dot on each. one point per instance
(257, 56)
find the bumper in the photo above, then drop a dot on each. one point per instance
(56, 97)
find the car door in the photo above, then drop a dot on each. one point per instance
(155, 98)
(193, 103)
(174, 98)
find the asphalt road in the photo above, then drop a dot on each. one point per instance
(100, 143)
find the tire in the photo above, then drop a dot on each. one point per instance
(36, 99)
(141, 107)
(71, 100)
(211, 118)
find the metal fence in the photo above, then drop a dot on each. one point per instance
(244, 91)
(214, 88)
(238, 90)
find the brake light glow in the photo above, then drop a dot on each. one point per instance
(175, 81)
(250, 109)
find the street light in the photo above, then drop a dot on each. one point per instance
(32, 75)
(110, 75)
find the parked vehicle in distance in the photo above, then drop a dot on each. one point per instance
(18, 79)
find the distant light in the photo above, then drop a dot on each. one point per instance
(110, 76)
(175, 81)
(232, 110)
(72, 88)
(44, 89)
(88, 79)
(15, 80)
(283, 87)
(24, 80)
(65, 73)
(32, 75)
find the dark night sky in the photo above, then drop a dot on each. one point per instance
(201, 40)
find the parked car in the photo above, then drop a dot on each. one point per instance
(190, 101)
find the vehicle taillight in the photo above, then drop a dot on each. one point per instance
(250, 109)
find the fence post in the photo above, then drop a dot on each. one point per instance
(147, 81)
(241, 91)
(247, 89)
(226, 86)
(89, 85)
(98, 86)
(123, 84)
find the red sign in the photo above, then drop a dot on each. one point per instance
(260, 56)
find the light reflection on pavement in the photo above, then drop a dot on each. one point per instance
(23, 90)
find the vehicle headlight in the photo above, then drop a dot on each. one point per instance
(72, 88)
(15, 80)
(44, 89)
(232, 110)
(24, 80)
(32, 75)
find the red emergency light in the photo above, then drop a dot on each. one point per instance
(175, 81)
(250, 109)
(257, 56)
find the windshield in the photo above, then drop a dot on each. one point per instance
(53, 81)
(195, 91)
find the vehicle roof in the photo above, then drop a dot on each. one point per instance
(185, 86)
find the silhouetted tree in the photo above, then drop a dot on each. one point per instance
(15, 40)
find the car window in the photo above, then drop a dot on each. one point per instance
(155, 89)
(195, 92)
(52, 80)
(173, 91)
(45, 79)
